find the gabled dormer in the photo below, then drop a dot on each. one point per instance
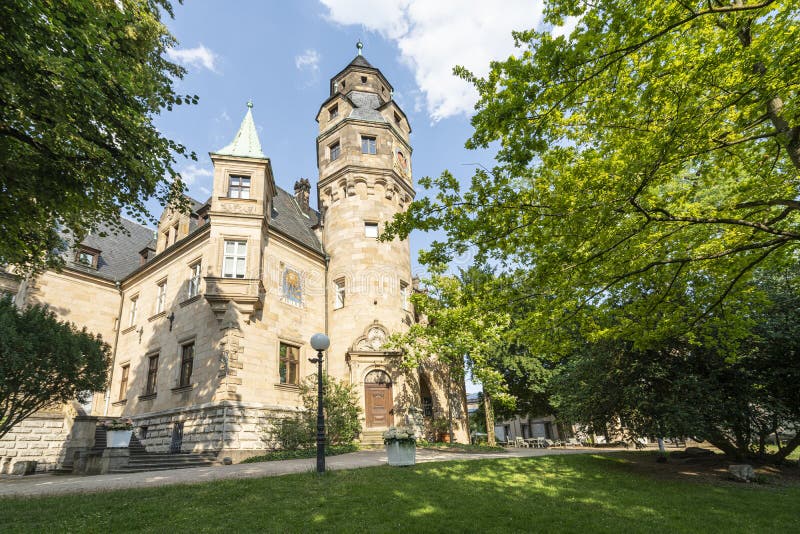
(243, 181)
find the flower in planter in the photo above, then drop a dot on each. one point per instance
(119, 424)
(399, 434)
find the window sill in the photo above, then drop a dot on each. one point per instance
(121, 402)
(190, 300)
(156, 316)
(181, 389)
(251, 200)
(288, 387)
(292, 303)
(148, 396)
(129, 329)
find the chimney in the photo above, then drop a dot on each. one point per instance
(302, 191)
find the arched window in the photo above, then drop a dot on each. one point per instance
(378, 377)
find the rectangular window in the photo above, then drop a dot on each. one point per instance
(161, 299)
(235, 261)
(86, 258)
(363, 79)
(371, 230)
(333, 111)
(187, 359)
(194, 280)
(404, 295)
(336, 150)
(239, 186)
(340, 294)
(123, 382)
(289, 360)
(152, 375)
(368, 145)
(175, 234)
(132, 316)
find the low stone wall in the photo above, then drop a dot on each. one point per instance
(244, 426)
(40, 437)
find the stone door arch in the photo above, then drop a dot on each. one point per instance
(378, 400)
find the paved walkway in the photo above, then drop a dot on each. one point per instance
(59, 484)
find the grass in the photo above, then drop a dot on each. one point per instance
(794, 455)
(568, 493)
(330, 450)
(460, 447)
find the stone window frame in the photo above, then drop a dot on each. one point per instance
(335, 150)
(151, 382)
(284, 377)
(235, 256)
(340, 293)
(195, 277)
(239, 188)
(368, 229)
(405, 295)
(185, 378)
(124, 378)
(133, 310)
(367, 147)
(333, 112)
(161, 296)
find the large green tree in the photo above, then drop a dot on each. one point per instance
(655, 148)
(80, 84)
(44, 361)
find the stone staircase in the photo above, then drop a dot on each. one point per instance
(372, 439)
(99, 444)
(141, 460)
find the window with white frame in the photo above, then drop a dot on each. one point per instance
(238, 186)
(235, 260)
(340, 294)
(132, 313)
(369, 144)
(404, 296)
(371, 230)
(161, 299)
(195, 272)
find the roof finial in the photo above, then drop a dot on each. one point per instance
(250, 103)
(359, 45)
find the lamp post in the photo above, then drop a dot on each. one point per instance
(320, 342)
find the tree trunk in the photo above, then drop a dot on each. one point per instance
(661, 448)
(487, 408)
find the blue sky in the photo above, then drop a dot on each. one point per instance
(282, 55)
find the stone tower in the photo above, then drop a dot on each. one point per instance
(364, 161)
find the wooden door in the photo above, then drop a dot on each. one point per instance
(378, 399)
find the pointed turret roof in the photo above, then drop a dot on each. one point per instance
(361, 61)
(246, 143)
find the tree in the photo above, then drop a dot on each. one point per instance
(656, 146)
(44, 361)
(80, 85)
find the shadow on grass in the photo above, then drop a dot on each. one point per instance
(545, 494)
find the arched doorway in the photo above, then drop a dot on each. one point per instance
(378, 399)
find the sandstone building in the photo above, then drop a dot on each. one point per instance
(210, 318)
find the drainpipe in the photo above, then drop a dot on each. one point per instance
(327, 333)
(114, 353)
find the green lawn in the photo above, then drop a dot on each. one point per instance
(545, 494)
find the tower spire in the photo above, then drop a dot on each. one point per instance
(359, 46)
(246, 143)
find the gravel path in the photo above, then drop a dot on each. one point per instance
(45, 484)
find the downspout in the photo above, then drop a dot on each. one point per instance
(114, 353)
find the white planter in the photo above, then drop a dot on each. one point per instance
(401, 453)
(118, 438)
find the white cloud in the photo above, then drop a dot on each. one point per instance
(308, 60)
(199, 56)
(570, 23)
(434, 37)
(191, 173)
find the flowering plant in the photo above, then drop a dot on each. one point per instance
(119, 424)
(401, 434)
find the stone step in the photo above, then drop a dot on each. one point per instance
(158, 467)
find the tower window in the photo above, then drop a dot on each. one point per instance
(397, 118)
(239, 186)
(334, 111)
(363, 79)
(368, 145)
(235, 260)
(340, 294)
(336, 150)
(404, 296)
(371, 230)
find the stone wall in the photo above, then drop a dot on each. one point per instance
(244, 425)
(41, 437)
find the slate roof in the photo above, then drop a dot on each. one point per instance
(361, 61)
(287, 217)
(365, 106)
(119, 252)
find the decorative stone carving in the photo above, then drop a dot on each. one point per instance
(245, 209)
(373, 340)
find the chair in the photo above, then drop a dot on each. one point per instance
(520, 442)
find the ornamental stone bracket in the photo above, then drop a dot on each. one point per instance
(246, 293)
(372, 342)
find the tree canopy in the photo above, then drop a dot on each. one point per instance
(80, 84)
(655, 149)
(44, 361)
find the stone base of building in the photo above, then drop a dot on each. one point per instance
(227, 426)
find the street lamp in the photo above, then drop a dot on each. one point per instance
(320, 342)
